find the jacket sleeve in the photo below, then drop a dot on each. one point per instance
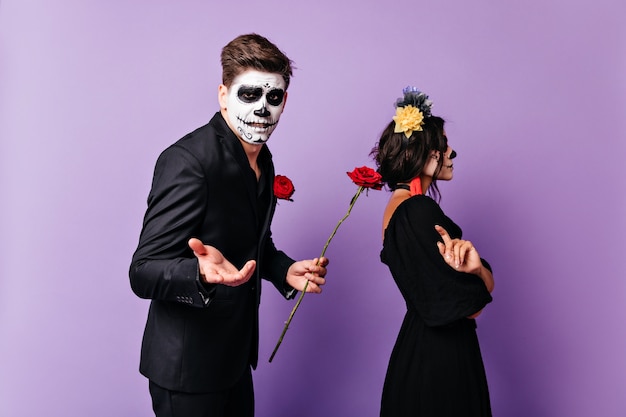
(438, 292)
(163, 266)
(275, 269)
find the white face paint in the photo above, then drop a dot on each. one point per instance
(254, 104)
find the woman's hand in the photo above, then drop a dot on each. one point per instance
(463, 256)
(459, 254)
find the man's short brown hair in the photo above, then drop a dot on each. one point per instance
(253, 51)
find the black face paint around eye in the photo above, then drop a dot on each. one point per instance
(249, 94)
(275, 96)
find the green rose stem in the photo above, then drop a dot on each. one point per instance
(293, 311)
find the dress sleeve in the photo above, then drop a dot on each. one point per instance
(438, 292)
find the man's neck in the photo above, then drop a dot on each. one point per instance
(252, 151)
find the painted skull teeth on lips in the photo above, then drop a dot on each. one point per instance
(257, 125)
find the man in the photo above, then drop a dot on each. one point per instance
(206, 243)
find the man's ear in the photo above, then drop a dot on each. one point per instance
(222, 96)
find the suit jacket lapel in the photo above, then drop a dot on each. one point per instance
(231, 144)
(266, 160)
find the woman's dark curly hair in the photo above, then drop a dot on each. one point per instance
(400, 159)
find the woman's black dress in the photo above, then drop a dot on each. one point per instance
(436, 368)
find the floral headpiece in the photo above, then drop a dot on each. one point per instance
(411, 110)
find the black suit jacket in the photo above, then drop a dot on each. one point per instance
(199, 337)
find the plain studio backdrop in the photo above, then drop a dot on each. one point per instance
(534, 93)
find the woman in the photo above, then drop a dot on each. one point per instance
(436, 368)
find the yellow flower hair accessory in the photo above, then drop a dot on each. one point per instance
(408, 120)
(411, 110)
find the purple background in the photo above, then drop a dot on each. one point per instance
(535, 96)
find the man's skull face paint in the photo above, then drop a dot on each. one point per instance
(255, 102)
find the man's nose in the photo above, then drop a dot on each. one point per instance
(262, 112)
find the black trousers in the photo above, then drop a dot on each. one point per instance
(237, 401)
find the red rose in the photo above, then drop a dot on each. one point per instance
(283, 187)
(366, 177)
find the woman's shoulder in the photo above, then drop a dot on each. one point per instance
(419, 203)
(418, 206)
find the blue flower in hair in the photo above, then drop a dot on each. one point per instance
(414, 97)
